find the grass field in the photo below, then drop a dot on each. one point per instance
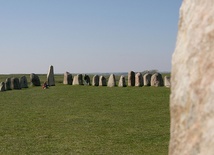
(68, 119)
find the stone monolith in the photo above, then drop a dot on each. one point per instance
(67, 78)
(111, 81)
(95, 80)
(50, 77)
(167, 81)
(34, 79)
(192, 84)
(23, 82)
(78, 80)
(15, 84)
(8, 84)
(156, 80)
(122, 81)
(131, 78)
(138, 80)
(147, 79)
(102, 81)
(2, 86)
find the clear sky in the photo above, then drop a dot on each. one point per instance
(83, 36)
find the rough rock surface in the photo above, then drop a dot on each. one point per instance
(78, 80)
(67, 78)
(8, 84)
(95, 80)
(156, 80)
(131, 78)
(167, 81)
(192, 84)
(50, 77)
(102, 81)
(2, 86)
(122, 81)
(87, 80)
(138, 80)
(15, 83)
(34, 79)
(111, 81)
(23, 82)
(147, 79)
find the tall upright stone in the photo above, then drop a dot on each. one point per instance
(131, 78)
(2, 86)
(192, 84)
(102, 81)
(23, 82)
(67, 78)
(122, 81)
(35, 80)
(15, 83)
(95, 80)
(138, 80)
(50, 77)
(111, 81)
(87, 80)
(8, 84)
(156, 80)
(167, 81)
(78, 80)
(147, 79)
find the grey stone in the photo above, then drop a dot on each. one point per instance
(78, 80)
(95, 80)
(156, 80)
(138, 80)
(147, 79)
(23, 82)
(34, 79)
(122, 81)
(2, 86)
(50, 77)
(87, 80)
(15, 83)
(111, 81)
(131, 78)
(102, 81)
(68, 79)
(167, 81)
(8, 84)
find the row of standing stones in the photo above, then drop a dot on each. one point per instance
(133, 80)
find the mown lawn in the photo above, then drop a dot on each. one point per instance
(68, 119)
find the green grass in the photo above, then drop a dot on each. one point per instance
(68, 119)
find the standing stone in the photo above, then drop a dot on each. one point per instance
(23, 82)
(87, 80)
(131, 78)
(167, 81)
(15, 83)
(67, 78)
(156, 80)
(102, 81)
(192, 84)
(50, 77)
(34, 79)
(78, 80)
(2, 86)
(111, 81)
(147, 79)
(8, 84)
(138, 80)
(122, 81)
(95, 80)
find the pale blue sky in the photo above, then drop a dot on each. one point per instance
(87, 35)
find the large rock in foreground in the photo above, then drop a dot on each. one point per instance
(192, 84)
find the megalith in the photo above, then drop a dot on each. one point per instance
(167, 81)
(8, 84)
(111, 81)
(2, 86)
(34, 79)
(122, 81)
(15, 84)
(95, 80)
(147, 79)
(102, 81)
(23, 82)
(67, 78)
(78, 80)
(138, 80)
(192, 84)
(50, 76)
(87, 80)
(156, 80)
(131, 78)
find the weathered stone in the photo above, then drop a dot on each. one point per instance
(2, 86)
(102, 81)
(67, 78)
(138, 80)
(23, 82)
(8, 84)
(156, 80)
(167, 81)
(192, 84)
(111, 81)
(131, 78)
(87, 80)
(34, 79)
(78, 80)
(50, 77)
(147, 79)
(122, 81)
(15, 83)
(95, 80)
